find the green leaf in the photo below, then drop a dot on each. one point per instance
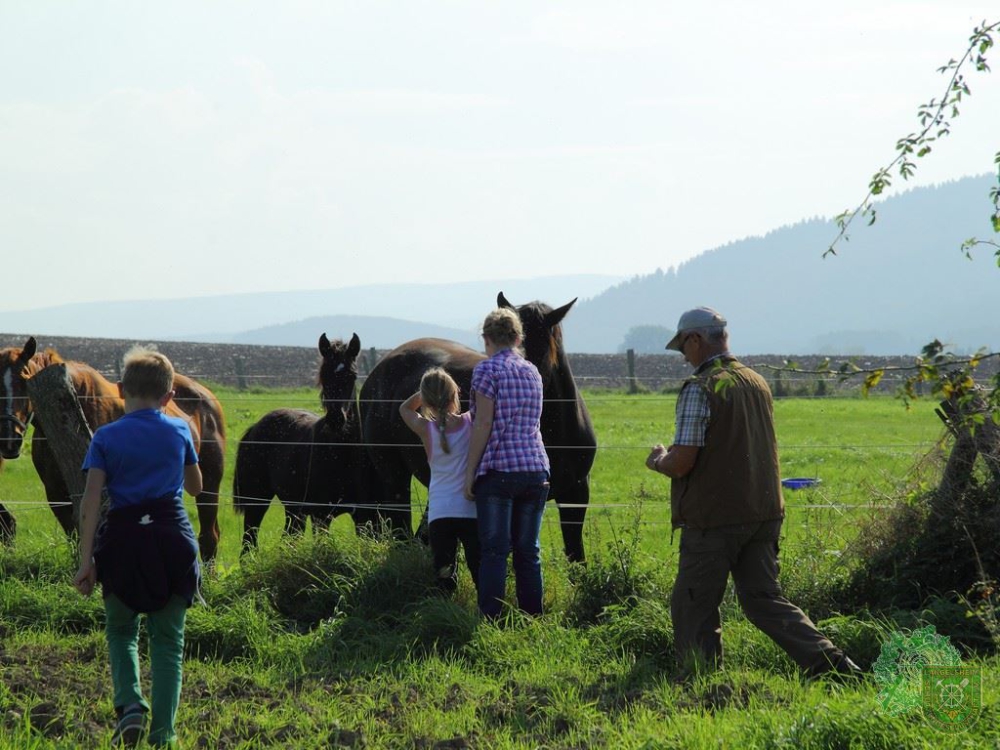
(872, 380)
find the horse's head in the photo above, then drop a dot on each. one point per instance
(338, 373)
(16, 366)
(542, 335)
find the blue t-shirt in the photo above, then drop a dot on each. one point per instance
(143, 454)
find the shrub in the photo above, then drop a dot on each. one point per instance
(912, 558)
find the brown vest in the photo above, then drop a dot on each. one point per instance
(735, 479)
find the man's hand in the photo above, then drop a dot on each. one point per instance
(676, 462)
(655, 454)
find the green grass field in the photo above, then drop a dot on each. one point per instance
(862, 450)
(341, 641)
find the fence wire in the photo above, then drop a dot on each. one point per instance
(641, 500)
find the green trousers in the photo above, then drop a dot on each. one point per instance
(166, 659)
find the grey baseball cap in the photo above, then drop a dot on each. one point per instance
(699, 317)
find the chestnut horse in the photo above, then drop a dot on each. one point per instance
(566, 428)
(101, 404)
(311, 463)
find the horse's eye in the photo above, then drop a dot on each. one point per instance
(339, 367)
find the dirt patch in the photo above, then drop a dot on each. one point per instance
(36, 676)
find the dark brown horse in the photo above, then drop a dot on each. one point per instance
(311, 463)
(397, 455)
(101, 404)
(8, 524)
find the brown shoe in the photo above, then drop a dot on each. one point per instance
(841, 669)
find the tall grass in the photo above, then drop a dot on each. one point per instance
(343, 641)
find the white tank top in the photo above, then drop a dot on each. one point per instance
(446, 495)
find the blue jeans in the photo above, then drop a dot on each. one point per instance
(509, 507)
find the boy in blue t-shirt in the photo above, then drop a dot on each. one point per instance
(144, 554)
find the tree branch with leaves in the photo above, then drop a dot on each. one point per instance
(936, 118)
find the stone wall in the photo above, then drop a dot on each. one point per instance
(293, 366)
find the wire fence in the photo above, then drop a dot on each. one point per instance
(856, 475)
(250, 366)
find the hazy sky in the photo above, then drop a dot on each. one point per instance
(190, 148)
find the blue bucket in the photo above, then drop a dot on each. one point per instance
(800, 483)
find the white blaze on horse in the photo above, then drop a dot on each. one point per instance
(100, 402)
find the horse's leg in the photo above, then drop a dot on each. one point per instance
(396, 514)
(8, 526)
(390, 477)
(253, 517)
(572, 502)
(211, 460)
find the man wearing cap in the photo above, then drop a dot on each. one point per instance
(726, 498)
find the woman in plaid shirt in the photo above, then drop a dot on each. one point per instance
(508, 469)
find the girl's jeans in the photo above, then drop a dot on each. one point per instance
(445, 534)
(166, 657)
(509, 507)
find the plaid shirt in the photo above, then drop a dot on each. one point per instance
(514, 386)
(692, 416)
(693, 412)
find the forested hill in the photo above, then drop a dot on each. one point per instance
(892, 288)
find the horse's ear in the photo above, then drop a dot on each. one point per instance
(324, 345)
(555, 317)
(502, 301)
(30, 347)
(354, 347)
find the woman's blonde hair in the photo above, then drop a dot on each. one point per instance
(439, 395)
(503, 327)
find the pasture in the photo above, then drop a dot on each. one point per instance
(340, 641)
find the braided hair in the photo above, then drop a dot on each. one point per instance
(439, 395)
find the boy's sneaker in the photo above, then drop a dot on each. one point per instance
(131, 727)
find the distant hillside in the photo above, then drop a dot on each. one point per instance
(380, 333)
(895, 286)
(228, 318)
(892, 288)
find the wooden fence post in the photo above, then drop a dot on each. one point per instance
(633, 386)
(241, 377)
(67, 433)
(372, 359)
(973, 437)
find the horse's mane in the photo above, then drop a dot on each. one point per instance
(41, 360)
(50, 357)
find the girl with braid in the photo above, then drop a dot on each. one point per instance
(445, 434)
